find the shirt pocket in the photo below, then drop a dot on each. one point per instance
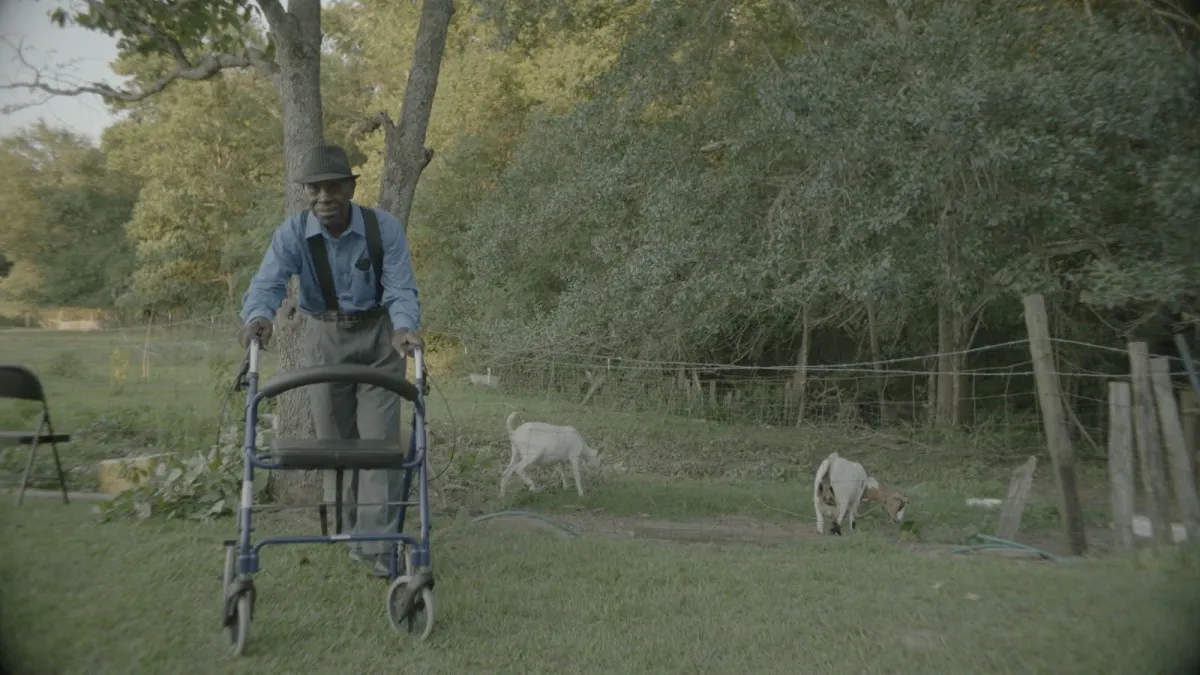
(362, 282)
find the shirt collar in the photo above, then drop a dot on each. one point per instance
(313, 227)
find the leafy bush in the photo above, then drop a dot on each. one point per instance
(204, 486)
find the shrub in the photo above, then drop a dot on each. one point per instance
(203, 486)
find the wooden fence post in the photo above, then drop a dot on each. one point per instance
(1120, 464)
(1178, 456)
(1014, 501)
(1189, 410)
(1058, 436)
(1149, 442)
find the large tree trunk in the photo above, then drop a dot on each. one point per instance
(956, 332)
(405, 154)
(297, 36)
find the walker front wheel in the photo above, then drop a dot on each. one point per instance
(227, 576)
(410, 611)
(238, 629)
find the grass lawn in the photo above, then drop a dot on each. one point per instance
(667, 466)
(627, 596)
(82, 598)
(98, 393)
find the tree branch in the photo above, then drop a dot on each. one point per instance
(372, 124)
(382, 119)
(274, 12)
(204, 68)
(405, 154)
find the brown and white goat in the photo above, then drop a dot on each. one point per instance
(841, 485)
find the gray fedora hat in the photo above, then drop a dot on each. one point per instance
(325, 162)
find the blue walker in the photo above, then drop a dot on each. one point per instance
(409, 595)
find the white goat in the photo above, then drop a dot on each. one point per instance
(841, 485)
(541, 444)
(488, 380)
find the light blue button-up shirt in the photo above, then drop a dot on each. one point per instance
(355, 288)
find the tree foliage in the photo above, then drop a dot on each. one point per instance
(64, 232)
(711, 181)
(751, 160)
(188, 211)
(174, 27)
(197, 39)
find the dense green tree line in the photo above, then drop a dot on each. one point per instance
(752, 181)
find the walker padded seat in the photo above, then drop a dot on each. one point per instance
(312, 454)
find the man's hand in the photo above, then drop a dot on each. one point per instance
(258, 327)
(405, 341)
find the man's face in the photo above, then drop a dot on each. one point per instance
(330, 200)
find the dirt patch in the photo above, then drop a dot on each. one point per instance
(712, 530)
(731, 530)
(718, 530)
(739, 530)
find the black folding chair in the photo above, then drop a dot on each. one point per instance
(19, 382)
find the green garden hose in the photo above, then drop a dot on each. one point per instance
(997, 542)
(527, 514)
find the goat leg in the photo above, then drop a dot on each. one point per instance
(578, 478)
(520, 469)
(505, 476)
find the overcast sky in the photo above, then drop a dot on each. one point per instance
(71, 53)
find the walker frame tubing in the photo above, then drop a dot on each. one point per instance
(247, 559)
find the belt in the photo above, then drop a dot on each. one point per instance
(349, 317)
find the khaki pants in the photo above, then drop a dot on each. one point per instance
(346, 410)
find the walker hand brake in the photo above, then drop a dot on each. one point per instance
(240, 383)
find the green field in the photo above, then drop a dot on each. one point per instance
(633, 593)
(121, 394)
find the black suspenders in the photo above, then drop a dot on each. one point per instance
(320, 258)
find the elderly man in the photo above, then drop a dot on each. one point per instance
(358, 290)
